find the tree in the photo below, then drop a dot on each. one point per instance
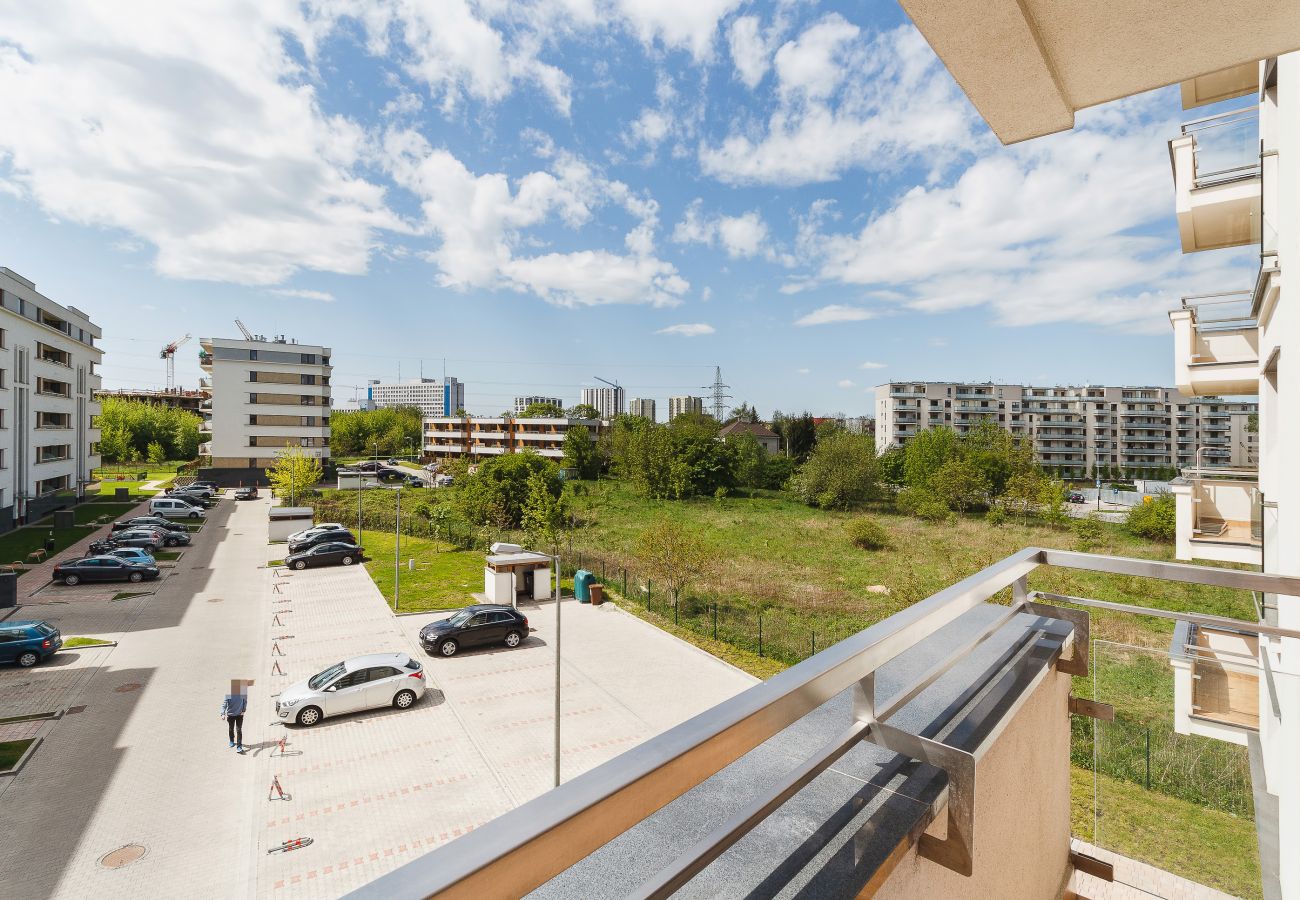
(294, 473)
(156, 453)
(1023, 490)
(388, 431)
(840, 473)
(1051, 498)
(544, 514)
(959, 484)
(130, 427)
(581, 453)
(495, 495)
(749, 461)
(926, 453)
(798, 433)
(543, 411)
(674, 555)
(584, 411)
(1156, 519)
(744, 413)
(891, 464)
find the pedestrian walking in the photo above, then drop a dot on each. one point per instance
(233, 708)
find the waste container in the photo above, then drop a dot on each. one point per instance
(8, 590)
(49, 543)
(597, 594)
(582, 582)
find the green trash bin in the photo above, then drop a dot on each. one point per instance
(582, 582)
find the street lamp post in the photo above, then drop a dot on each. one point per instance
(359, 476)
(397, 552)
(557, 669)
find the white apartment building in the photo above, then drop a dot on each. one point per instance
(430, 395)
(679, 405)
(608, 401)
(1080, 430)
(476, 437)
(522, 403)
(639, 406)
(263, 396)
(49, 436)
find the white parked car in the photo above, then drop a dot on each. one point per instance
(314, 530)
(363, 682)
(174, 508)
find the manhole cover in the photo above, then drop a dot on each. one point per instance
(128, 688)
(215, 599)
(122, 856)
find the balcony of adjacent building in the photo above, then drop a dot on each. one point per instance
(1216, 167)
(905, 391)
(1219, 512)
(1216, 346)
(1216, 682)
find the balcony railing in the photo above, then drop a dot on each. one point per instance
(1225, 147)
(526, 848)
(1226, 504)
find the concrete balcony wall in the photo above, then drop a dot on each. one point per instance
(1214, 215)
(1215, 520)
(1214, 362)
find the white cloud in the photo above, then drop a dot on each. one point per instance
(304, 294)
(706, 295)
(872, 365)
(750, 51)
(937, 342)
(695, 329)
(677, 24)
(742, 237)
(846, 99)
(836, 312)
(846, 383)
(193, 130)
(803, 371)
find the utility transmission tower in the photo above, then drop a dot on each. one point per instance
(719, 393)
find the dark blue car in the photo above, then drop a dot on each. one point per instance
(28, 642)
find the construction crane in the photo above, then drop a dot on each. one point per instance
(169, 353)
(615, 408)
(248, 335)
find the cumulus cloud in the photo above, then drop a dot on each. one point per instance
(750, 51)
(836, 312)
(695, 329)
(742, 237)
(872, 365)
(846, 383)
(304, 294)
(689, 25)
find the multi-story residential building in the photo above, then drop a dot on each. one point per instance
(608, 401)
(860, 425)
(522, 403)
(49, 438)
(639, 406)
(680, 405)
(475, 437)
(263, 396)
(178, 398)
(1079, 430)
(430, 395)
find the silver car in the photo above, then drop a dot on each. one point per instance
(363, 682)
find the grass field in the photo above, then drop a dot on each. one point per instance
(17, 544)
(108, 489)
(11, 752)
(443, 577)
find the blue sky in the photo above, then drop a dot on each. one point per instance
(542, 192)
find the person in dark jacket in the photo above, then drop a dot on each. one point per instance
(233, 708)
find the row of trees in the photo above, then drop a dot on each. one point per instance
(388, 432)
(137, 431)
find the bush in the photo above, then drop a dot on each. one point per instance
(868, 534)
(931, 509)
(909, 500)
(1156, 519)
(996, 516)
(1088, 534)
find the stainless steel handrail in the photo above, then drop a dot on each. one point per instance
(523, 849)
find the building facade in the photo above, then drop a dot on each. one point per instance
(477, 438)
(608, 401)
(263, 396)
(431, 396)
(679, 405)
(639, 406)
(175, 399)
(1080, 430)
(522, 403)
(49, 436)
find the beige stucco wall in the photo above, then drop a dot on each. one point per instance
(1022, 813)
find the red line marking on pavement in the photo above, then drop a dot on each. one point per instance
(472, 675)
(549, 718)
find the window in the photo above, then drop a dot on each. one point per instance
(52, 387)
(306, 379)
(252, 376)
(378, 673)
(50, 485)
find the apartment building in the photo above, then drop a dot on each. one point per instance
(608, 401)
(476, 438)
(522, 403)
(679, 405)
(639, 406)
(49, 437)
(1079, 430)
(262, 397)
(430, 395)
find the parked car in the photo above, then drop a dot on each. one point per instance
(415, 481)
(148, 534)
(28, 641)
(102, 568)
(175, 508)
(311, 540)
(194, 498)
(475, 626)
(432, 467)
(316, 529)
(330, 553)
(210, 485)
(443, 481)
(370, 465)
(133, 555)
(363, 682)
(389, 475)
(152, 521)
(1076, 497)
(191, 491)
(246, 493)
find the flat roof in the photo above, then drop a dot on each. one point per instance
(514, 559)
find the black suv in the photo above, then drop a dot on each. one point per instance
(342, 536)
(473, 626)
(152, 522)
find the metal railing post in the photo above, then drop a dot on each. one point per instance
(760, 632)
(715, 621)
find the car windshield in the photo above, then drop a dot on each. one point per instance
(461, 617)
(319, 680)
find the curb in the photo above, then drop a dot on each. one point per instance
(87, 647)
(22, 760)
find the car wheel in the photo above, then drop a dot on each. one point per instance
(170, 542)
(514, 639)
(29, 659)
(194, 515)
(300, 564)
(151, 549)
(347, 560)
(135, 577)
(309, 716)
(404, 699)
(71, 580)
(448, 648)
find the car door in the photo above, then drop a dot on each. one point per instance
(111, 569)
(348, 694)
(380, 686)
(321, 555)
(9, 644)
(472, 635)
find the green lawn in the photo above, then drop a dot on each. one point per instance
(108, 489)
(11, 752)
(443, 578)
(74, 642)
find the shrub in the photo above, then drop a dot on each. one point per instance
(1156, 519)
(996, 516)
(909, 500)
(932, 509)
(1088, 534)
(868, 534)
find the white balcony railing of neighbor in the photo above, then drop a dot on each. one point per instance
(1225, 147)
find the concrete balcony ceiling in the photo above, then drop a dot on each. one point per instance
(1029, 65)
